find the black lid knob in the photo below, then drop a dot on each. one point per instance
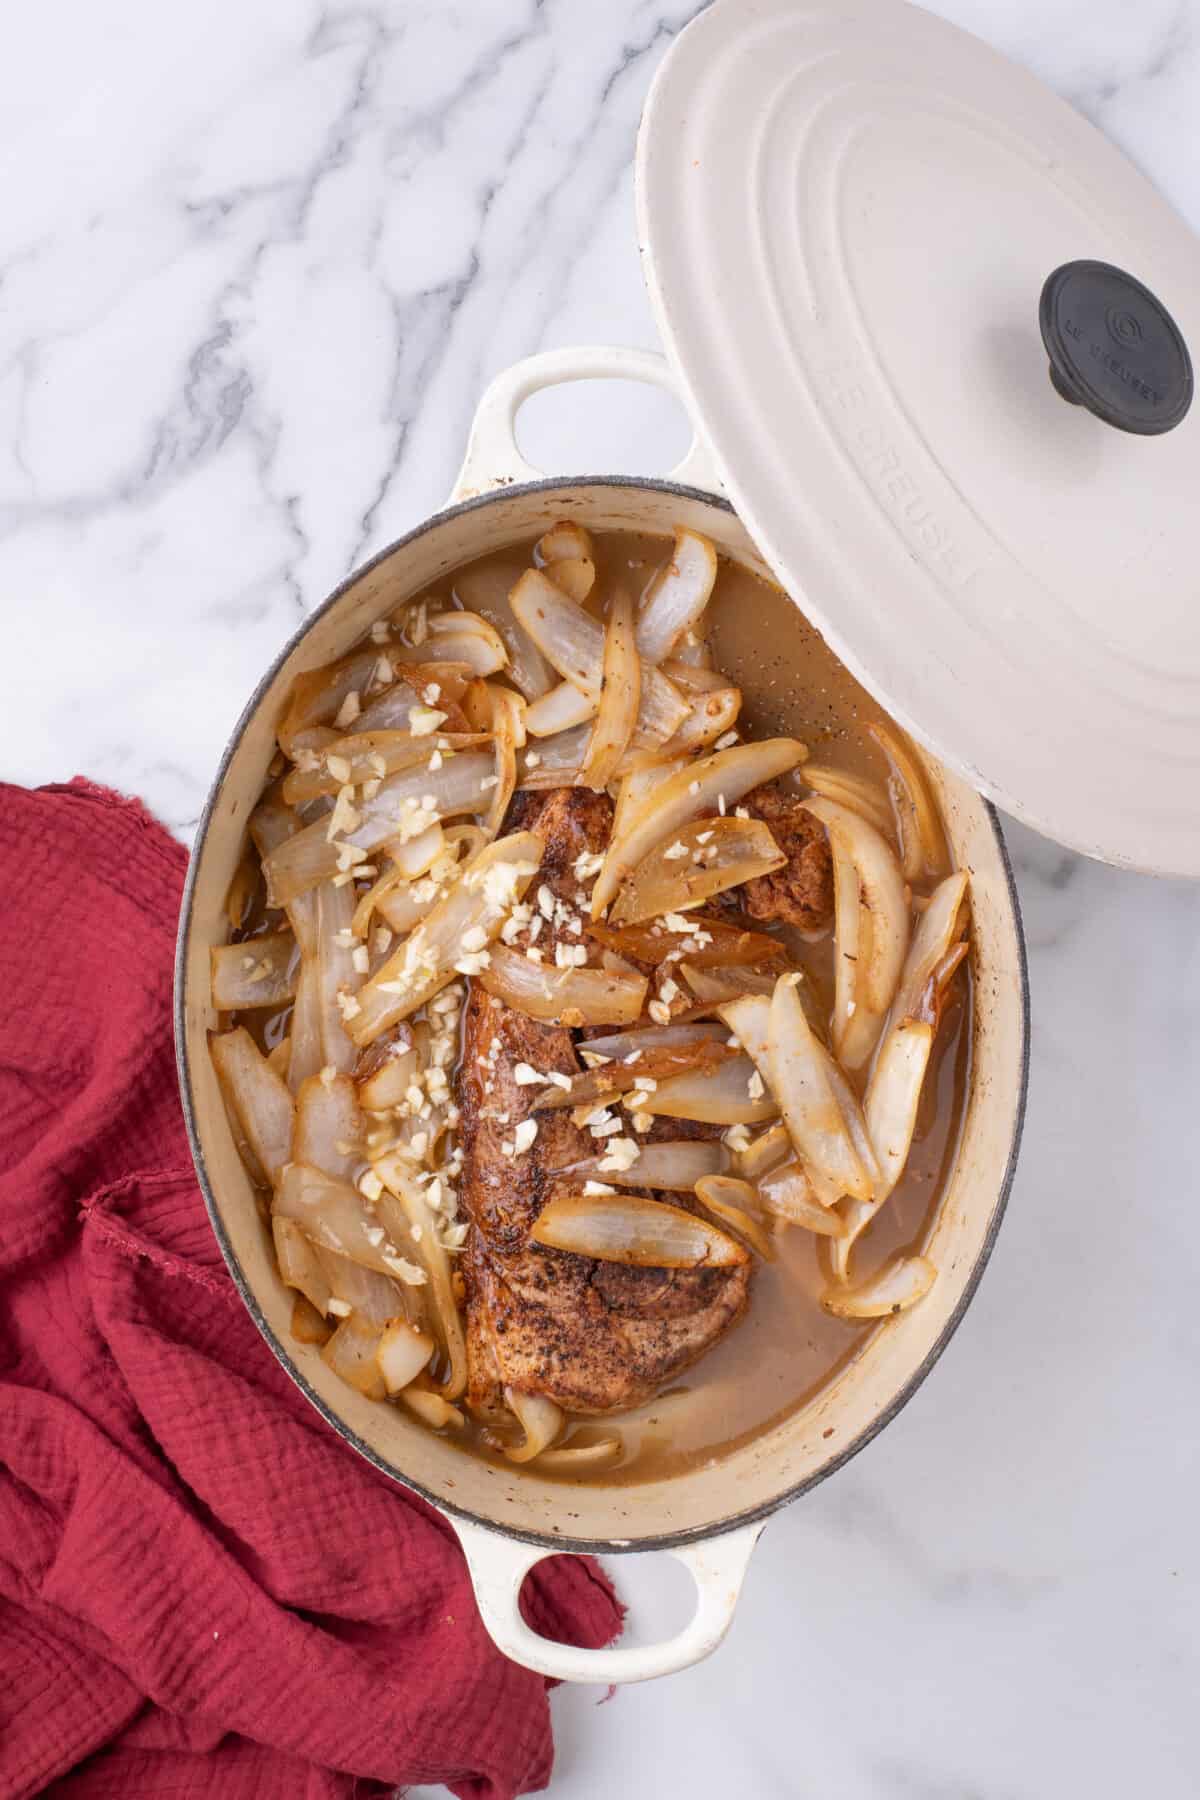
(1114, 348)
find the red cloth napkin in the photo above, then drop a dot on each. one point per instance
(202, 1589)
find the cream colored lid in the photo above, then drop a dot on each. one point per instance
(848, 212)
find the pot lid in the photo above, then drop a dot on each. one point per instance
(935, 327)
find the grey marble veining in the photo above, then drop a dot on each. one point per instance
(256, 265)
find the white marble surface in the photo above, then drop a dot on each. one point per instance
(256, 264)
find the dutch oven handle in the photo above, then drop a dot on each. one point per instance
(499, 1565)
(493, 459)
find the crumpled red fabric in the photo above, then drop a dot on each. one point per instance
(203, 1591)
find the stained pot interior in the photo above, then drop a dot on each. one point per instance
(892, 1357)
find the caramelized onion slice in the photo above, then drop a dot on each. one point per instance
(871, 926)
(852, 791)
(402, 1352)
(335, 1215)
(368, 756)
(564, 541)
(620, 695)
(317, 696)
(553, 715)
(484, 589)
(299, 1265)
(933, 942)
(628, 1228)
(431, 1409)
(922, 841)
(459, 637)
(610, 1079)
(393, 709)
(260, 1100)
(573, 641)
(677, 596)
(787, 1193)
(672, 1165)
(580, 1459)
(398, 809)
(306, 1324)
(407, 1215)
(567, 996)
(702, 859)
(388, 1083)
(338, 981)
(720, 1096)
(648, 1038)
(307, 1057)
(372, 1296)
(262, 971)
(575, 575)
(709, 943)
(797, 1072)
(352, 1352)
(540, 1420)
(765, 1152)
(328, 1133)
(898, 1285)
(735, 1203)
(716, 986)
(478, 901)
(664, 808)
(710, 715)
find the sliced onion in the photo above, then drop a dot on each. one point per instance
(869, 897)
(508, 734)
(352, 1352)
(614, 1078)
(693, 677)
(573, 641)
(317, 696)
(280, 1058)
(299, 1265)
(648, 1038)
(933, 941)
(627, 1228)
(852, 791)
(898, 1285)
(259, 972)
(540, 1420)
(637, 787)
(403, 902)
(675, 1165)
(564, 540)
(580, 1459)
(484, 589)
(241, 889)
(735, 1203)
(416, 856)
(372, 1296)
(393, 709)
(368, 756)
(271, 825)
(715, 986)
(554, 715)
(710, 715)
(402, 1352)
(720, 1096)
(307, 1056)
(310, 857)
(717, 854)
(335, 1215)
(575, 575)
(765, 1152)
(620, 694)
(260, 1101)
(306, 1324)
(797, 1072)
(388, 1084)
(459, 637)
(922, 841)
(338, 979)
(787, 1193)
(709, 943)
(405, 1211)
(431, 1409)
(328, 1133)
(571, 997)
(480, 899)
(677, 596)
(694, 789)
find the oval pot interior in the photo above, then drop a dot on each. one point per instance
(762, 654)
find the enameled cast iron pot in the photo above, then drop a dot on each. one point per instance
(508, 1518)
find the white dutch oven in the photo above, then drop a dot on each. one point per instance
(848, 213)
(508, 1518)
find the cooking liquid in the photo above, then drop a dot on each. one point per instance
(786, 1348)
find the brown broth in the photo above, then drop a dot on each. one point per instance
(786, 1348)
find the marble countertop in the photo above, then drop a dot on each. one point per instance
(256, 266)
